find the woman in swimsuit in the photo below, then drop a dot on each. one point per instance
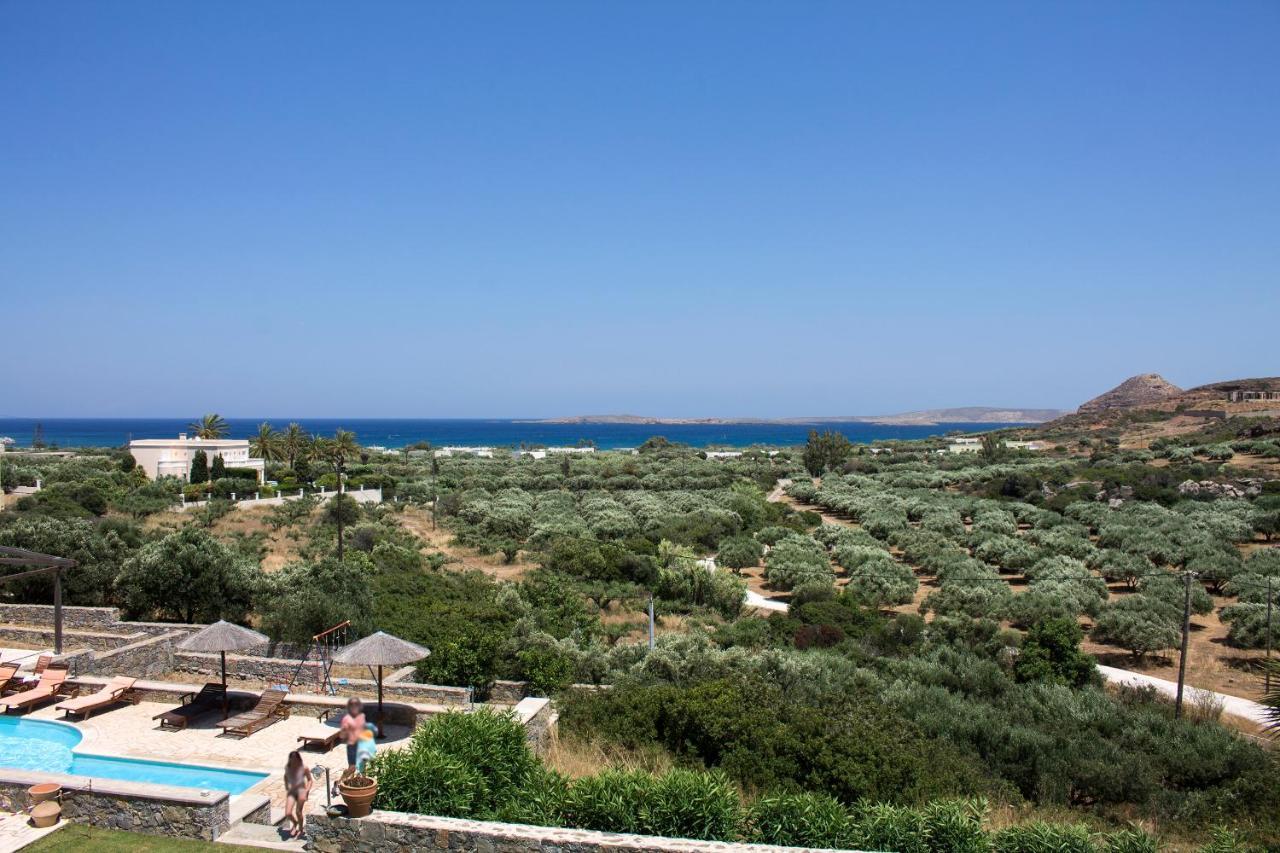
(297, 784)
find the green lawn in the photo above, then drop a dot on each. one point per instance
(75, 837)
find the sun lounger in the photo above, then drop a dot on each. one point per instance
(118, 689)
(212, 697)
(322, 736)
(269, 709)
(21, 680)
(50, 687)
(8, 676)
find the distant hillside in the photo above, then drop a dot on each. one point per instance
(1141, 390)
(926, 417)
(968, 415)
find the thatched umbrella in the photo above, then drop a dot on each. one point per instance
(381, 649)
(223, 637)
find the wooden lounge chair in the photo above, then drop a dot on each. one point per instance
(50, 687)
(212, 697)
(269, 709)
(118, 689)
(8, 676)
(22, 680)
(323, 735)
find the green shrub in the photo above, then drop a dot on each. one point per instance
(1131, 841)
(1042, 837)
(489, 742)
(690, 804)
(886, 827)
(542, 801)
(798, 820)
(956, 826)
(610, 801)
(426, 781)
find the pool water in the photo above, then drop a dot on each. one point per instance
(44, 746)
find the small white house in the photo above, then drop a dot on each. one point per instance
(171, 457)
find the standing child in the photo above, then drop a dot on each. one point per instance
(297, 784)
(353, 724)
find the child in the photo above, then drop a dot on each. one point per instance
(297, 784)
(353, 723)
(365, 748)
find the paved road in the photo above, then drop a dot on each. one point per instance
(1233, 705)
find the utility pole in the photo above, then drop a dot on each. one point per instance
(1267, 667)
(651, 641)
(1186, 635)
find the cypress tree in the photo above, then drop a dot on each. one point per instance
(200, 467)
(219, 468)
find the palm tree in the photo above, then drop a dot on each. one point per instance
(1271, 699)
(337, 451)
(210, 426)
(294, 443)
(266, 444)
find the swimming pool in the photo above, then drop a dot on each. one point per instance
(48, 747)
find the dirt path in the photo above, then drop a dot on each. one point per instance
(439, 540)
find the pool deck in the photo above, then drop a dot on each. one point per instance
(127, 731)
(16, 832)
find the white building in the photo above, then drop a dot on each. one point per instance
(963, 447)
(171, 457)
(482, 452)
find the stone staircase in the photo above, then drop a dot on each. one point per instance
(268, 837)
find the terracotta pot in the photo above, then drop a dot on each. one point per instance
(359, 800)
(45, 814)
(44, 791)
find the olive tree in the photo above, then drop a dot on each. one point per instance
(797, 559)
(187, 576)
(1134, 624)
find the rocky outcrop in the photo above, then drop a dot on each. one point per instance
(1246, 488)
(1141, 390)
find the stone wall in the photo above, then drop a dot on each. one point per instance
(150, 809)
(395, 831)
(147, 650)
(248, 667)
(36, 636)
(150, 657)
(539, 718)
(508, 692)
(72, 617)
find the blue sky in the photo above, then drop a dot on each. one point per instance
(526, 209)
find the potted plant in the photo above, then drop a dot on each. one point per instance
(357, 792)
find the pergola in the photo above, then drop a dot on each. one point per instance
(45, 564)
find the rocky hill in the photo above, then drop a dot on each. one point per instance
(1142, 390)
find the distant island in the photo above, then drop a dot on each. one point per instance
(926, 417)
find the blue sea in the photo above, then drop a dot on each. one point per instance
(397, 432)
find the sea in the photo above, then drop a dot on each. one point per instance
(398, 432)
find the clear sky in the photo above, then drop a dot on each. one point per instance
(689, 208)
